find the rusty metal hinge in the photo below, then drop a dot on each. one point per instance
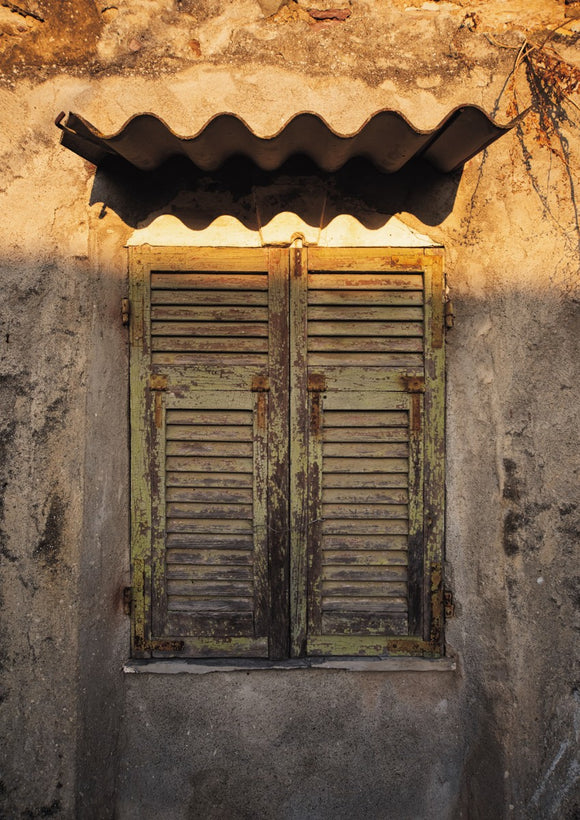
(449, 314)
(316, 383)
(448, 603)
(157, 382)
(413, 384)
(128, 600)
(260, 384)
(125, 311)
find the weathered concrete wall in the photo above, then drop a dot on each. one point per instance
(496, 738)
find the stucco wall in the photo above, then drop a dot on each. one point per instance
(499, 736)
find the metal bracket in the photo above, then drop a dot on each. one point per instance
(127, 600)
(448, 603)
(449, 315)
(316, 383)
(157, 382)
(260, 384)
(125, 311)
(413, 384)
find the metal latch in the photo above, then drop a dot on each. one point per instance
(448, 604)
(127, 600)
(449, 314)
(125, 311)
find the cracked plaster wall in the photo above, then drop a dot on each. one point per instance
(499, 738)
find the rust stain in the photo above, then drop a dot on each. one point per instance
(315, 415)
(413, 384)
(415, 413)
(261, 411)
(316, 383)
(260, 384)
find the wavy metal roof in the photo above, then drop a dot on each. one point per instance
(387, 138)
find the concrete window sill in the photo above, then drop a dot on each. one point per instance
(204, 667)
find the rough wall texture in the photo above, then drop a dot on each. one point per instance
(498, 738)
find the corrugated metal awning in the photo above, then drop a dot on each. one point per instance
(386, 138)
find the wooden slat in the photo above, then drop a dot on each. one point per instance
(372, 298)
(226, 449)
(386, 603)
(365, 281)
(209, 465)
(371, 480)
(366, 401)
(185, 510)
(214, 281)
(361, 449)
(186, 432)
(209, 329)
(366, 511)
(203, 313)
(360, 551)
(209, 495)
(392, 623)
(207, 258)
(215, 552)
(343, 312)
(209, 526)
(371, 465)
(202, 343)
(352, 377)
(362, 589)
(225, 480)
(209, 417)
(209, 297)
(366, 434)
(215, 359)
(365, 496)
(376, 573)
(323, 258)
(236, 631)
(345, 526)
(186, 604)
(358, 328)
(362, 344)
(202, 572)
(216, 591)
(366, 418)
(402, 359)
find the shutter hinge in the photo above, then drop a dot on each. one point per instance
(127, 600)
(413, 384)
(316, 383)
(449, 314)
(260, 384)
(448, 603)
(125, 311)
(157, 382)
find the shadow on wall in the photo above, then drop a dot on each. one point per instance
(298, 185)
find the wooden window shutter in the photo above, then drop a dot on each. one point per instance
(204, 451)
(374, 382)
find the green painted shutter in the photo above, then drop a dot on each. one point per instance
(205, 330)
(374, 357)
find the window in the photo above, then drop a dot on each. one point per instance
(287, 451)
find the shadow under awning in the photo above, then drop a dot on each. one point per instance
(386, 138)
